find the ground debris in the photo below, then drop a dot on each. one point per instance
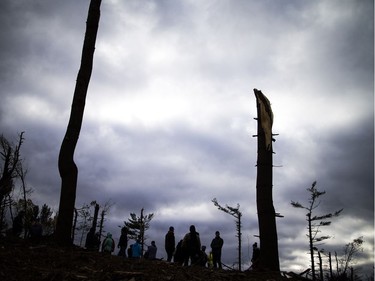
(47, 262)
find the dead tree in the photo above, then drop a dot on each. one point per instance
(11, 157)
(11, 163)
(315, 222)
(269, 257)
(234, 212)
(96, 213)
(67, 167)
(107, 206)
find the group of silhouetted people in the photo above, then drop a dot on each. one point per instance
(32, 231)
(188, 251)
(135, 250)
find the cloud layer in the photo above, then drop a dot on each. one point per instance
(169, 114)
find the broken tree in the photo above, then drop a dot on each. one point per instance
(269, 257)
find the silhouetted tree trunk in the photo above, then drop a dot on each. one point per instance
(67, 168)
(311, 245)
(102, 215)
(330, 265)
(74, 223)
(337, 263)
(321, 277)
(96, 213)
(105, 209)
(269, 253)
(142, 232)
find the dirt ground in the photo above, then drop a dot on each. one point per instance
(20, 260)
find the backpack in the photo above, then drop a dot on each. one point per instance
(192, 243)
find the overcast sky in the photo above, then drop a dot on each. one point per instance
(168, 121)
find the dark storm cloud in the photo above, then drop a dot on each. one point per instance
(29, 26)
(339, 43)
(34, 38)
(344, 162)
(168, 120)
(349, 168)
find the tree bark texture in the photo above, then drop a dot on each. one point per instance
(67, 167)
(269, 257)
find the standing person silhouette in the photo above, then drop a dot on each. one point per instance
(191, 245)
(170, 243)
(216, 246)
(255, 257)
(123, 242)
(108, 245)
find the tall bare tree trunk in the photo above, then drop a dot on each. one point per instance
(239, 234)
(74, 223)
(311, 246)
(142, 232)
(321, 277)
(269, 253)
(330, 265)
(67, 168)
(96, 213)
(101, 224)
